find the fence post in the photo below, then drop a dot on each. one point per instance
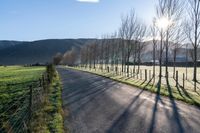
(127, 72)
(145, 74)
(141, 74)
(176, 78)
(108, 69)
(183, 81)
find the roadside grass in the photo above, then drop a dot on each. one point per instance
(178, 93)
(49, 118)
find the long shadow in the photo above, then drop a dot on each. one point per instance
(143, 82)
(84, 84)
(76, 82)
(176, 114)
(188, 95)
(153, 119)
(89, 92)
(89, 98)
(120, 122)
(185, 93)
(80, 90)
(148, 83)
(179, 91)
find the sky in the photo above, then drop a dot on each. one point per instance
(28, 20)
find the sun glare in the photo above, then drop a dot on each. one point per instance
(163, 23)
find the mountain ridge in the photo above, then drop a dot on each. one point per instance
(39, 51)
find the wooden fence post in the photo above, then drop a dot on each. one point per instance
(141, 74)
(145, 74)
(176, 78)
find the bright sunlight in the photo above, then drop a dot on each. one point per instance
(163, 23)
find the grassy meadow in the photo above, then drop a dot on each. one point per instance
(14, 94)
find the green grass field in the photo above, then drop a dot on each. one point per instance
(14, 93)
(186, 94)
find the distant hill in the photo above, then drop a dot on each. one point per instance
(42, 51)
(7, 44)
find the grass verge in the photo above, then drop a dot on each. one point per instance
(177, 93)
(49, 118)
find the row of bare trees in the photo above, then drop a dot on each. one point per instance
(176, 22)
(117, 49)
(180, 25)
(69, 58)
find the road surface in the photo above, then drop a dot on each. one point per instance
(95, 104)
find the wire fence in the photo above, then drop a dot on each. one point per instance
(16, 112)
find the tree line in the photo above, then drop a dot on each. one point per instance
(175, 23)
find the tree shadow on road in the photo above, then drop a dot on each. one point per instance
(153, 119)
(176, 115)
(121, 122)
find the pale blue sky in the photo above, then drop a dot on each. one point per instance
(44, 19)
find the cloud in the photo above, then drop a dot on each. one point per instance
(89, 1)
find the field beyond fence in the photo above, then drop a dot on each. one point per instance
(21, 90)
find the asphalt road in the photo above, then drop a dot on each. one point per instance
(99, 105)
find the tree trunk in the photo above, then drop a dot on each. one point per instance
(160, 60)
(195, 68)
(166, 54)
(174, 64)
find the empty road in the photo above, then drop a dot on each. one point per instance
(94, 104)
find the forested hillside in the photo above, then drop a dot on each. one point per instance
(42, 51)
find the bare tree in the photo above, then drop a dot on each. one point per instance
(193, 31)
(57, 58)
(139, 37)
(168, 17)
(131, 29)
(70, 57)
(169, 12)
(177, 44)
(122, 37)
(160, 9)
(154, 34)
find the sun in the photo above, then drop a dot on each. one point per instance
(163, 23)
